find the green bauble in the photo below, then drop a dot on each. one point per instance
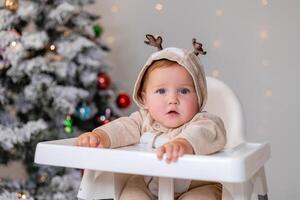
(68, 129)
(97, 30)
(68, 125)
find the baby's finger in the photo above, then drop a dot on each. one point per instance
(77, 141)
(94, 140)
(160, 152)
(85, 141)
(169, 152)
(100, 144)
(176, 149)
(181, 151)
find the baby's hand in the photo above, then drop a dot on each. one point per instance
(96, 138)
(174, 150)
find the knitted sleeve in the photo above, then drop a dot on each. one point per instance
(206, 133)
(124, 131)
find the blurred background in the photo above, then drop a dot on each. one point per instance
(252, 46)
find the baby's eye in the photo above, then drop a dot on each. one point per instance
(184, 91)
(160, 91)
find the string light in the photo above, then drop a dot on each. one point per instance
(114, 9)
(216, 73)
(158, 7)
(219, 12)
(102, 118)
(13, 44)
(42, 179)
(67, 33)
(265, 63)
(52, 47)
(110, 40)
(264, 2)
(268, 93)
(11, 5)
(21, 195)
(217, 44)
(263, 34)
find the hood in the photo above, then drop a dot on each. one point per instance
(185, 58)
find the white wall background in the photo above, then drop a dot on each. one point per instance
(253, 46)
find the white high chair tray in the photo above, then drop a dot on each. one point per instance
(235, 165)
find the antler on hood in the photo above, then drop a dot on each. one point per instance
(198, 48)
(152, 41)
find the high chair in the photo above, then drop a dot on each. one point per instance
(239, 166)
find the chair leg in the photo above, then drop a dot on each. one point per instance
(101, 185)
(87, 186)
(166, 188)
(226, 193)
(260, 184)
(262, 197)
(237, 191)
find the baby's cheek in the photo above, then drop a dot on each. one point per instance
(157, 105)
(157, 111)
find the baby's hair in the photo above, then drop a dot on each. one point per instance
(162, 63)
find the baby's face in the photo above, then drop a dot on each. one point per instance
(170, 96)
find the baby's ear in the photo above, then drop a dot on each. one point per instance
(143, 100)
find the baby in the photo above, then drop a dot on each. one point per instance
(171, 92)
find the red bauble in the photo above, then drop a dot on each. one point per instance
(103, 81)
(105, 121)
(123, 100)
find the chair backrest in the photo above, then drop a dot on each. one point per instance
(223, 102)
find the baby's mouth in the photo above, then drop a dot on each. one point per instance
(172, 112)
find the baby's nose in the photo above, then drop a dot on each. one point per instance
(173, 99)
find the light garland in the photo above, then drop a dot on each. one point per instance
(13, 44)
(264, 2)
(217, 44)
(52, 47)
(110, 40)
(158, 7)
(11, 5)
(265, 63)
(268, 93)
(216, 73)
(264, 34)
(21, 195)
(115, 8)
(219, 12)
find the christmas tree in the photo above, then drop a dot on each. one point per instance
(53, 85)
